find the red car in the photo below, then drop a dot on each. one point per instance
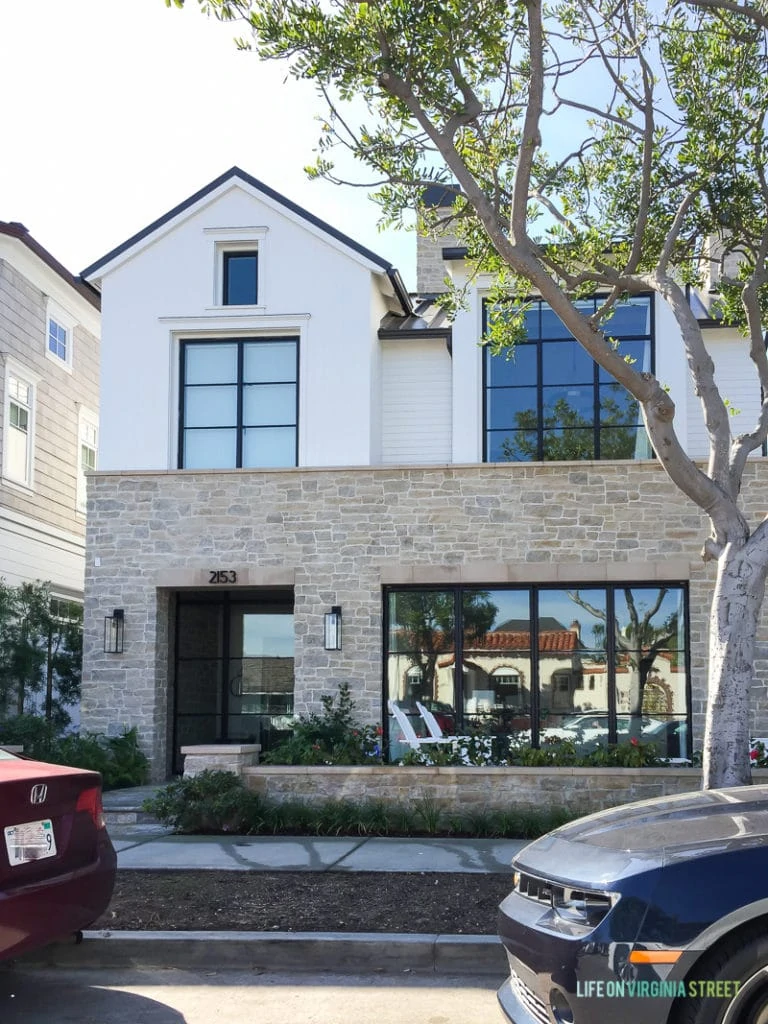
(57, 863)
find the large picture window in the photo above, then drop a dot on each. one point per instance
(590, 664)
(549, 401)
(239, 403)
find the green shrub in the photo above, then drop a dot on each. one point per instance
(118, 758)
(211, 802)
(481, 750)
(218, 802)
(332, 737)
(37, 736)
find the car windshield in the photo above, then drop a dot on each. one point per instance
(6, 755)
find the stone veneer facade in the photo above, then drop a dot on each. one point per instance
(339, 535)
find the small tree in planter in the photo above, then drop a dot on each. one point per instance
(332, 737)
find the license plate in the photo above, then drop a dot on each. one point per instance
(33, 840)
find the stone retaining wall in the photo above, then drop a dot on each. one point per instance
(464, 789)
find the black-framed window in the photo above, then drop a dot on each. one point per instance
(590, 664)
(240, 278)
(238, 403)
(549, 401)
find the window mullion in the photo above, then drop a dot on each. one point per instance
(596, 409)
(539, 390)
(458, 643)
(240, 387)
(533, 618)
(610, 655)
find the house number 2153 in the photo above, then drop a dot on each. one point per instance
(222, 576)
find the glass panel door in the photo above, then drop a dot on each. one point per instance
(234, 673)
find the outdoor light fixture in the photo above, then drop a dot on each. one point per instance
(114, 628)
(332, 629)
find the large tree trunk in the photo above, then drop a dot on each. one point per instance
(734, 616)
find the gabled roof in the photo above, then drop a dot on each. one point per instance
(298, 211)
(13, 229)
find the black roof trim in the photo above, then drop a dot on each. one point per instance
(438, 195)
(13, 229)
(400, 290)
(414, 332)
(454, 252)
(236, 172)
(709, 322)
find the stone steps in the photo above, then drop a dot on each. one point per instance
(124, 807)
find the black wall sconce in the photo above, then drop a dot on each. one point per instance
(332, 629)
(114, 629)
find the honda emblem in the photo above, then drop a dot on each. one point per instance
(38, 794)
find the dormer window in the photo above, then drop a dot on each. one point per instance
(240, 277)
(239, 262)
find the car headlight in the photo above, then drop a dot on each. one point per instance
(582, 906)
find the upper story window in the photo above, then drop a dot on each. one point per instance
(59, 335)
(240, 278)
(551, 402)
(88, 442)
(19, 410)
(239, 403)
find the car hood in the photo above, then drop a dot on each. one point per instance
(627, 840)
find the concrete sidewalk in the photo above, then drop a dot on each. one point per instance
(294, 853)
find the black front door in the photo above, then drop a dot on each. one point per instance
(234, 667)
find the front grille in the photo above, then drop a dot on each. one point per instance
(533, 1004)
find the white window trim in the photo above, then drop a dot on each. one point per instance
(32, 380)
(84, 417)
(53, 311)
(244, 239)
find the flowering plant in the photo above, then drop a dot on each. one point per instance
(332, 737)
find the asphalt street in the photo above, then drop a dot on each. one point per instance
(152, 996)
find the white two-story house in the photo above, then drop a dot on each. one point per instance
(49, 395)
(308, 477)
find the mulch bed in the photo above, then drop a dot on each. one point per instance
(364, 901)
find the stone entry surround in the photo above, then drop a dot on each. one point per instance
(223, 757)
(338, 536)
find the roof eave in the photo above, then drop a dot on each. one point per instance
(95, 269)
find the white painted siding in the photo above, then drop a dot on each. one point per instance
(737, 380)
(30, 550)
(42, 533)
(309, 287)
(416, 402)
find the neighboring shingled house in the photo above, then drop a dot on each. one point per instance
(49, 393)
(309, 478)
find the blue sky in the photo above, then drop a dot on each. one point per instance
(116, 110)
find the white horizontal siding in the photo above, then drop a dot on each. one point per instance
(32, 550)
(416, 402)
(736, 378)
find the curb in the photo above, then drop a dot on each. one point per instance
(340, 952)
